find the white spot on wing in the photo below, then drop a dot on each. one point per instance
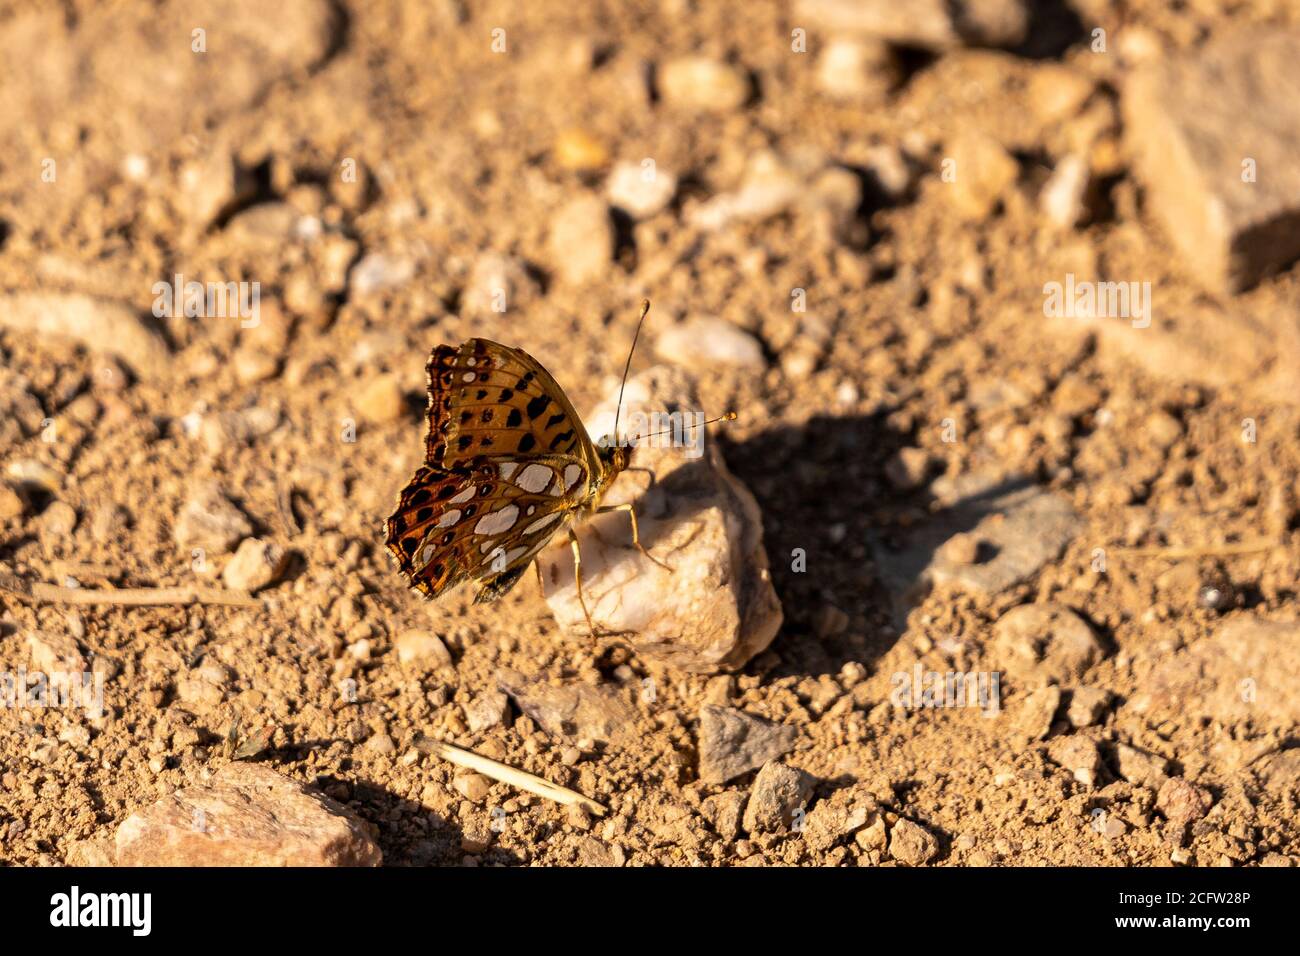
(503, 519)
(541, 522)
(534, 478)
(508, 468)
(450, 518)
(571, 475)
(465, 495)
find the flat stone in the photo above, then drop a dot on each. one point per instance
(496, 284)
(697, 519)
(983, 172)
(377, 272)
(472, 786)
(1190, 137)
(1077, 754)
(1017, 529)
(574, 711)
(732, 743)
(857, 70)
(51, 653)
(801, 180)
(640, 190)
(248, 815)
(1087, 706)
(1279, 772)
(101, 325)
(725, 811)
(381, 400)
(1247, 671)
(712, 341)
(421, 647)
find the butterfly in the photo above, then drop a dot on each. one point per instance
(508, 464)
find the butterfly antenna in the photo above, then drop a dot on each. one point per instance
(729, 417)
(645, 308)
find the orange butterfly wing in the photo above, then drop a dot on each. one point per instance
(490, 400)
(507, 460)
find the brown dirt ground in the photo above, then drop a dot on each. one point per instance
(925, 314)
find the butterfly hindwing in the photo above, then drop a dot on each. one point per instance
(490, 400)
(483, 520)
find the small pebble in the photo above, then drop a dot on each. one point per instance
(699, 83)
(382, 400)
(473, 786)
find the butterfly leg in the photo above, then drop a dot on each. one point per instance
(636, 533)
(577, 579)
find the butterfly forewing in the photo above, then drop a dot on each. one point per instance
(489, 400)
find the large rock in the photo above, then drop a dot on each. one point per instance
(1199, 126)
(716, 608)
(732, 742)
(249, 815)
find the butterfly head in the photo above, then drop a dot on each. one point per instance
(614, 456)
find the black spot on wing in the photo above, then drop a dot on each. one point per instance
(538, 405)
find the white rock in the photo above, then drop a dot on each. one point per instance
(705, 341)
(639, 189)
(376, 271)
(699, 83)
(1062, 197)
(581, 242)
(496, 284)
(858, 70)
(802, 180)
(716, 608)
(255, 564)
(421, 647)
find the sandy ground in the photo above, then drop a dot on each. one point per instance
(923, 330)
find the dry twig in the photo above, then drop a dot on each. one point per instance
(507, 774)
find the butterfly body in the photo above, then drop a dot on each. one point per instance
(508, 465)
